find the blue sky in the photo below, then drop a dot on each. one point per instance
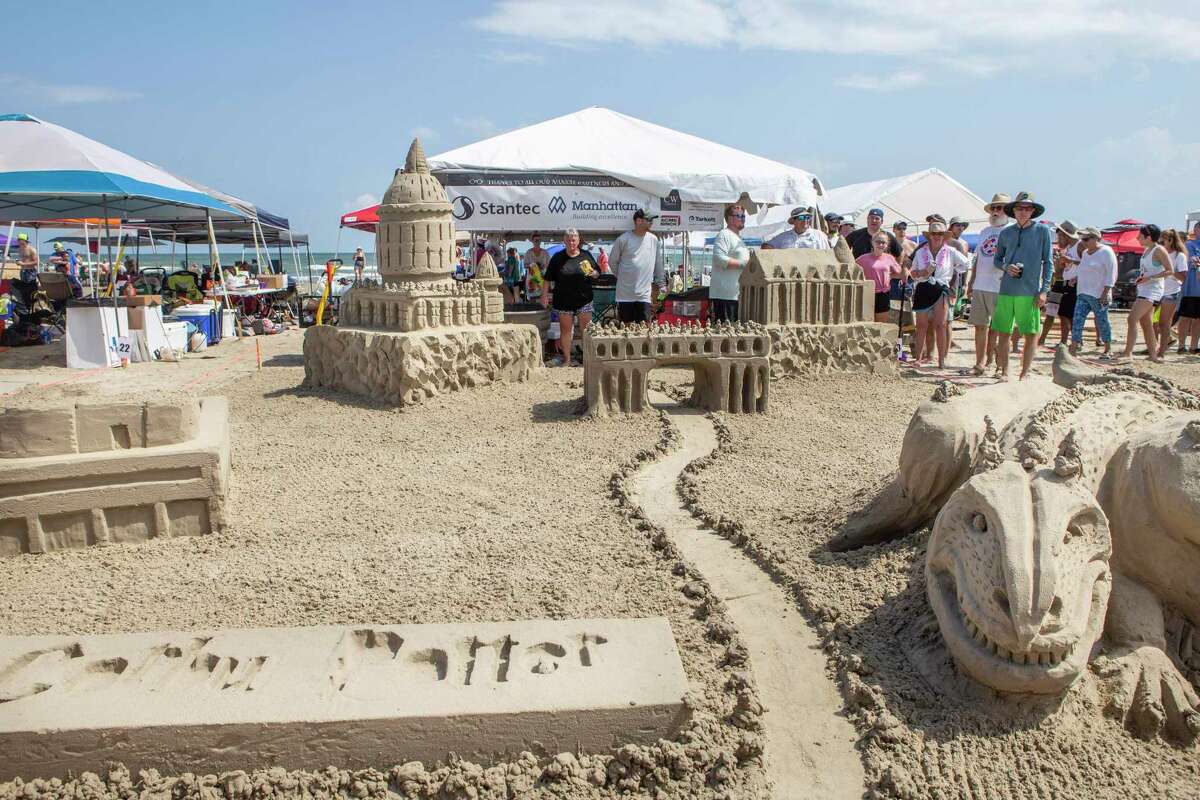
(305, 108)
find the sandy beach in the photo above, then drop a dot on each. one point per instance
(498, 503)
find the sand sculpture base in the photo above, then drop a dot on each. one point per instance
(353, 697)
(76, 476)
(814, 349)
(731, 363)
(405, 368)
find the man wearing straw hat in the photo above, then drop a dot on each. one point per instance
(1094, 276)
(1024, 255)
(984, 285)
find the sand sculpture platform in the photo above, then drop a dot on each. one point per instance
(306, 698)
(418, 333)
(731, 363)
(406, 368)
(818, 311)
(81, 475)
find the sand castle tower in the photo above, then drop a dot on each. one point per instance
(419, 332)
(415, 243)
(415, 237)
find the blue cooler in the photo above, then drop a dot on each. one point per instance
(205, 317)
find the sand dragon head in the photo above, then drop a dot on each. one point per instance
(1017, 573)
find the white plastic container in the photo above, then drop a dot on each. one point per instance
(177, 336)
(228, 327)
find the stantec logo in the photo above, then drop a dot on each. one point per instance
(556, 205)
(463, 207)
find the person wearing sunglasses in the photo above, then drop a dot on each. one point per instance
(1024, 255)
(730, 256)
(801, 235)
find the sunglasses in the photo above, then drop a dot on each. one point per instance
(1023, 207)
(737, 216)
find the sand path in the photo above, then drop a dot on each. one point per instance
(810, 744)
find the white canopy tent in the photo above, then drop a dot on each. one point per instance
(908, 197)
(591, 169)
(1193, 217)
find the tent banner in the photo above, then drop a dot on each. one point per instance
(488, 201)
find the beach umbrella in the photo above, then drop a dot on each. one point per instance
(1122, 237)
(49, 172)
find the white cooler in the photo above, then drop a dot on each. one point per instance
(177, 337)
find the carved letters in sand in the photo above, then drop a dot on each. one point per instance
(352, 696)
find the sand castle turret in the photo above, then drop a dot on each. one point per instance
(419, 332)
(415, 237)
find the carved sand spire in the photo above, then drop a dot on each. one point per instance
(989, 456)
(1069, 461)
(415, 161)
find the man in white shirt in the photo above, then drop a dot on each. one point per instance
(637, 261)
(984, 285)
(730, 256)
(1094, 278)
(801, 234)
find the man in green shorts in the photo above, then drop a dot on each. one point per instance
(1024, 254)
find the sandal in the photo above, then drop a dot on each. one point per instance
(977, 371)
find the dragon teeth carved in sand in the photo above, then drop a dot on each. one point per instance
(1066, 533)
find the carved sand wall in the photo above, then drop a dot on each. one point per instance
(303, 698)
(403, 369)
(731, 364)
(82, 475)
(815, 349)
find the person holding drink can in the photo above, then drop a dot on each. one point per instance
(1024, 254)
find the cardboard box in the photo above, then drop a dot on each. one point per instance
(144, 300)
(139, 316)
(272, 281)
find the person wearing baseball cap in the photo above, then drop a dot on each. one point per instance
(1066, 259)
(637, 261)
(27, 258)
(1024, 254)
(1094, 279)
(800, 235)
(860, 240)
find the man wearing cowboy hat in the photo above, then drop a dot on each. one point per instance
(1094, 276)
(1066, 259)
(1024, 255)
(984, 285)
(800, 235)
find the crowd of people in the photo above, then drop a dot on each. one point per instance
(1022, 279)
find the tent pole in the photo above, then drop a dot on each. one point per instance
(173, 249)
(308, 250)
(215, 256)
(12, 226)
(337, 249)
(87, 247)
(112, 268)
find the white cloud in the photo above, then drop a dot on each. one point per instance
(362, 201)
(1075, 36)
(423, 133)
(65, 94)
(904, 79)
(479, 126)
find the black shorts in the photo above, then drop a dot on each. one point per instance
(927, 295)
(726, 310)
(883, 302)
(633, 311)
(1189, 307)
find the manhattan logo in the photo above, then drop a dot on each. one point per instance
(556, 205)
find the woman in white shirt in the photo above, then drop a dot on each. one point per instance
(1155, 264)
(934, 266)
(1175, 245)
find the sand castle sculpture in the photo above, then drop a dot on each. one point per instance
(81, 475)
(818, 310)
(418, 332)
(1064, 520)
(731, 363)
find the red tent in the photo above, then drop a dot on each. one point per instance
(1123, 236)
(365, 219)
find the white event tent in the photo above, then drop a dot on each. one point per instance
(908, 197)
(592, 169)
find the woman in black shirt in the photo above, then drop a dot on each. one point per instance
(569, 291)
